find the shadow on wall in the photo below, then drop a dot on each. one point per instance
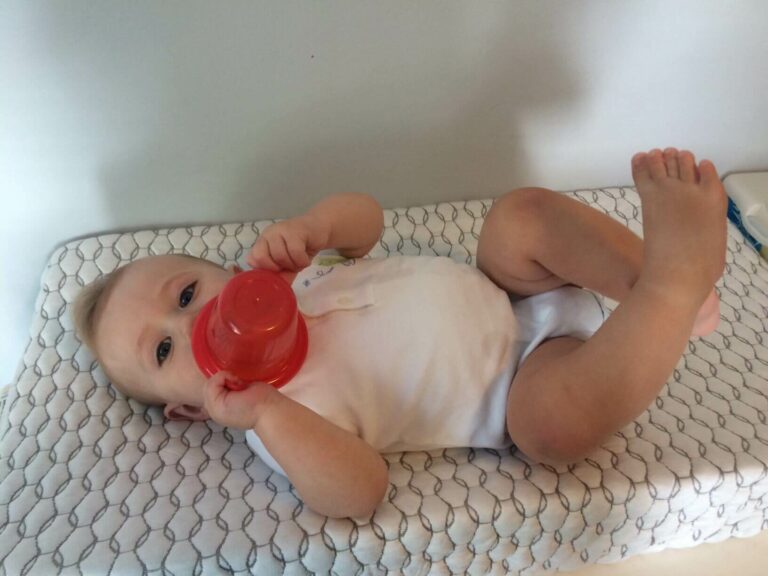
(292, 104)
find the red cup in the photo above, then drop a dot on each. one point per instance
(253, 329)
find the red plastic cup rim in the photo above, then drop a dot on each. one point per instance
(208, 364)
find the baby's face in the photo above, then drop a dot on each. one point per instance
(143, 334)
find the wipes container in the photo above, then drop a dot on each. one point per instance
(748, 206)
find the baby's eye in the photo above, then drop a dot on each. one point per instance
(163, 349)
(186, 295)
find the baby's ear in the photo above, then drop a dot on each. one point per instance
(185, 412)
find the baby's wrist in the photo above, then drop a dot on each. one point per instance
(320, 229)
(268, 403)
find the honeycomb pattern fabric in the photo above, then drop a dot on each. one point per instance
(93, 483)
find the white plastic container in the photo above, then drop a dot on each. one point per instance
(749, 191)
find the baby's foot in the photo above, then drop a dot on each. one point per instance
(708, 317)
(684, 222)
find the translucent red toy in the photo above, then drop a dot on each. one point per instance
(252, 329)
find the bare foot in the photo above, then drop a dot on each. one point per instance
(684, 225)
(708, 317)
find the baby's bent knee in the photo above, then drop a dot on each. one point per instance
(558, 452)
(523, 203)
(554, 443)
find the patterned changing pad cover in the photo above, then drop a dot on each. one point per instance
(93, 483)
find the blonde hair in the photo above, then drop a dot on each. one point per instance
(87, 305)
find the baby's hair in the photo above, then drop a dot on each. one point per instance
(85, 314)
(87, 303)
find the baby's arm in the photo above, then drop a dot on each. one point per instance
(335, 472)
(354, 222)
(351, 223)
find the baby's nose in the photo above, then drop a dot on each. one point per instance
(187, 324)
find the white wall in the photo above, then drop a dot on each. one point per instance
(137, 113)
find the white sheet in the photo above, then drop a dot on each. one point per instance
(90, 482)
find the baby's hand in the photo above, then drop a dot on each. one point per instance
(236, 408)
(289, 245)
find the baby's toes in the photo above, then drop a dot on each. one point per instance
(640, 173)
(709, 175)
(670, 161)
(688, 170)
(656, 165)
(710, 182)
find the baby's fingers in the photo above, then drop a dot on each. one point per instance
(278, 250)
(238, 407)
(219, 391)
(259, 256)
(297, 248)
(219, 386)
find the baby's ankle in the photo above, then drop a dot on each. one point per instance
(680, 292)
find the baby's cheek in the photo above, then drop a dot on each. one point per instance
(188, 367)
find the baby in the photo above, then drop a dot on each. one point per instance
(411, 353)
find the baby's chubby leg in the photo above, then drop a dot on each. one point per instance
(534, 240)
(568, 396)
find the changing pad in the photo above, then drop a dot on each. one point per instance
(92, 483)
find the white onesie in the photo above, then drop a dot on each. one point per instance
(417, 353)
